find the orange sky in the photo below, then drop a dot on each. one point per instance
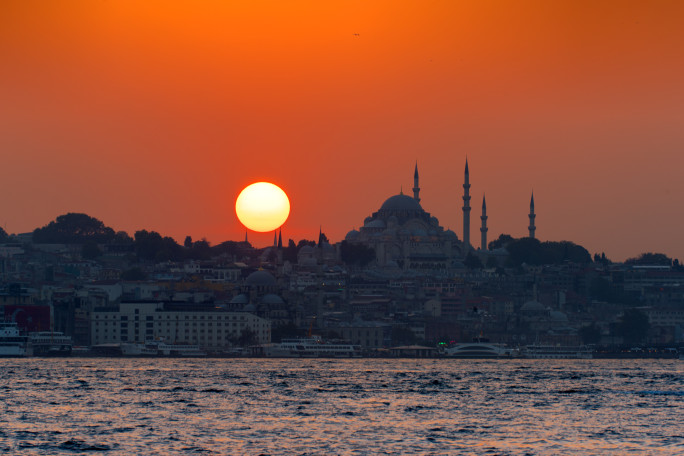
(156, 114)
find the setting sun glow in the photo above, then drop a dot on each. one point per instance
(262, 207)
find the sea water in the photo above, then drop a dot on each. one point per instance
(361, 406)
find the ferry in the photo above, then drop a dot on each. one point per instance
(47, 343)
(12, 342)
(312, 347)
(558, 352)
(480, 350)
(161, 348)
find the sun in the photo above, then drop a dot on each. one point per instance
(262, 207)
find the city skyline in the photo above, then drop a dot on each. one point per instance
(155, 117)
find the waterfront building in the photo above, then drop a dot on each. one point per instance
(212, 328)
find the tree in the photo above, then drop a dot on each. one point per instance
(602, 259)
(150, 245)
(290, 252)
(133, 274)
(247, 337)
(188, 242)
(73, 228)
(650, 259)
(199, 250)
(356, 254)
(304, 242)
(90, 250)
(502, 241)
(121, 237)
(472, 261)
(525, 250)
(633, 326)
(4, 237)
(533, 252)
(225, 248)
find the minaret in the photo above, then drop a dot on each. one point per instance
(484, 229)
(275, 239)
(466, 208)
(532, 228)
(416, 187)
(280, 239)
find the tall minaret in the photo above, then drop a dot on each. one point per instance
(532, 228)
(484, 229)
(466, 207)
(280, 238)
(416, 187)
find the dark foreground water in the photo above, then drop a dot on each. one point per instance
(365, 406)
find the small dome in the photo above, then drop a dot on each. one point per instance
(261, 279)
(249, 308)
(351, 235)
(239, 299)
(401, 203)
(450, 234)
(375, 224)
(272, 299)
(419, 232)
(559, 316)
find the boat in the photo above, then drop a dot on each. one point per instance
(161, 348)
(12, 342)
(558, 352)
(480, 350)
(47, 343)
(312, 347)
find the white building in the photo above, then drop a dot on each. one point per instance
(211, 328)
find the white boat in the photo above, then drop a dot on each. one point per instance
(47, 343)
(558, 352)
(161, 348)
(12, 342)
(480, 350)
(312, 347)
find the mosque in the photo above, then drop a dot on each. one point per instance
(407, 237)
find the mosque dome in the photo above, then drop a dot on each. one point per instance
(351, 235)
(533, 307)
(271, 299)
(401, 202)
(239, 299)
(249, 308)
(261, 279)
(558, 316)
(450, 234)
